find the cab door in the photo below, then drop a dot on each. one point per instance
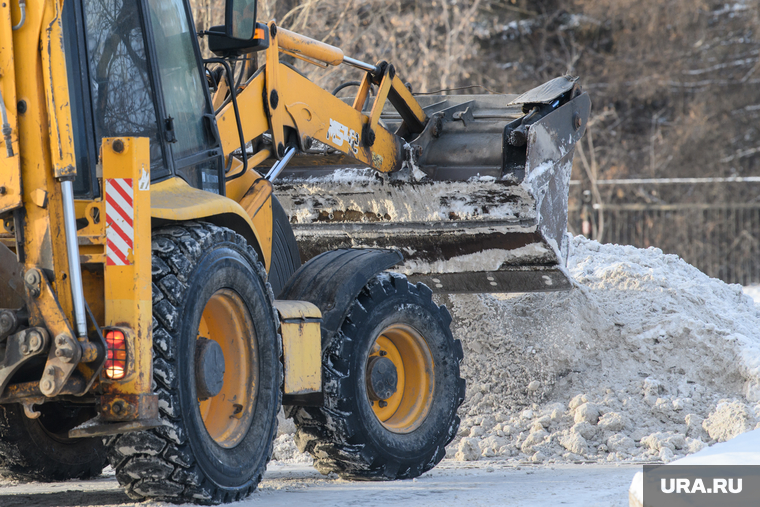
(134, 70)
(188, 116)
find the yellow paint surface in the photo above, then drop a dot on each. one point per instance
(301, 346)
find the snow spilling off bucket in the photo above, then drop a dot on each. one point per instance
(646, 359)
(362, 195)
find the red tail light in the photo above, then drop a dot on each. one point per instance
(116, 359)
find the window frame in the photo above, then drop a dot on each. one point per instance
(85, 93)
(214, 150)
(172, 164)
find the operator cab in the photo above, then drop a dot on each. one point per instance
(135, 69)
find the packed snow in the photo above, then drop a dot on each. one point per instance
(364, 195)
(647, 359)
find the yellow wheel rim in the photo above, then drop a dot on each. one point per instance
(410, 404)
(228, 415)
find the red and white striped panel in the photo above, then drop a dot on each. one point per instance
(120, 214)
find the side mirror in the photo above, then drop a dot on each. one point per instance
(240, 19)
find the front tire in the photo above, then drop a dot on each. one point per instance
(362, 435)
(217, 433)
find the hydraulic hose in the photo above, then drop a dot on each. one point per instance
(22, 7)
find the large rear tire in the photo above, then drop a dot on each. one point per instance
(210, 300)
(401, 432)
(40, 449)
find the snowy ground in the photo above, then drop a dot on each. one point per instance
(482, 484)
(647, 359)
(753, 291)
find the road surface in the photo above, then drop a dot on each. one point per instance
(482, 483)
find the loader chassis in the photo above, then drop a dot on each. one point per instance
(144, 247)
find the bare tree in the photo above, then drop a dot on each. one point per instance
(674, 82)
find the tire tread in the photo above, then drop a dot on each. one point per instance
(175, 476)
(327, 433)
(26, 454)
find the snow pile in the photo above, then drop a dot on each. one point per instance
(284, 448)
(753, 291)
(647, 359)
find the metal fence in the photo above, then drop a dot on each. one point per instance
(713, 224)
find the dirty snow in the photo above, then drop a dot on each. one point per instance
(372, 197)
(485, 260)
(742, 450)
(647, 359)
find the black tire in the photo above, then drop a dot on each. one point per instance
(345, 436)
(39, 449)
(285, 256)
(181, 461)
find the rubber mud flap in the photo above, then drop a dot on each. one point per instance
(333, 279)
(286, 258)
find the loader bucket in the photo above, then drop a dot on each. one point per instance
(480, 206)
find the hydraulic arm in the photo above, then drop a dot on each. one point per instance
(484, 182)
(297, 112)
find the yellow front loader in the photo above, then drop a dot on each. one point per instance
(159, 305)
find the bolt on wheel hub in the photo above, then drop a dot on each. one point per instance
(382, 378)
(400, 378)
(209, 368)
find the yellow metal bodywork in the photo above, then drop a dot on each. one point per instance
(279, 101)
(45, 85)
(298, 45)
(92, 237)
(176, 201)
(39, 126)
(313, 113)
(128, 294)
(9, 165)
(61, 135)
(239, 186)
(301, 346)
